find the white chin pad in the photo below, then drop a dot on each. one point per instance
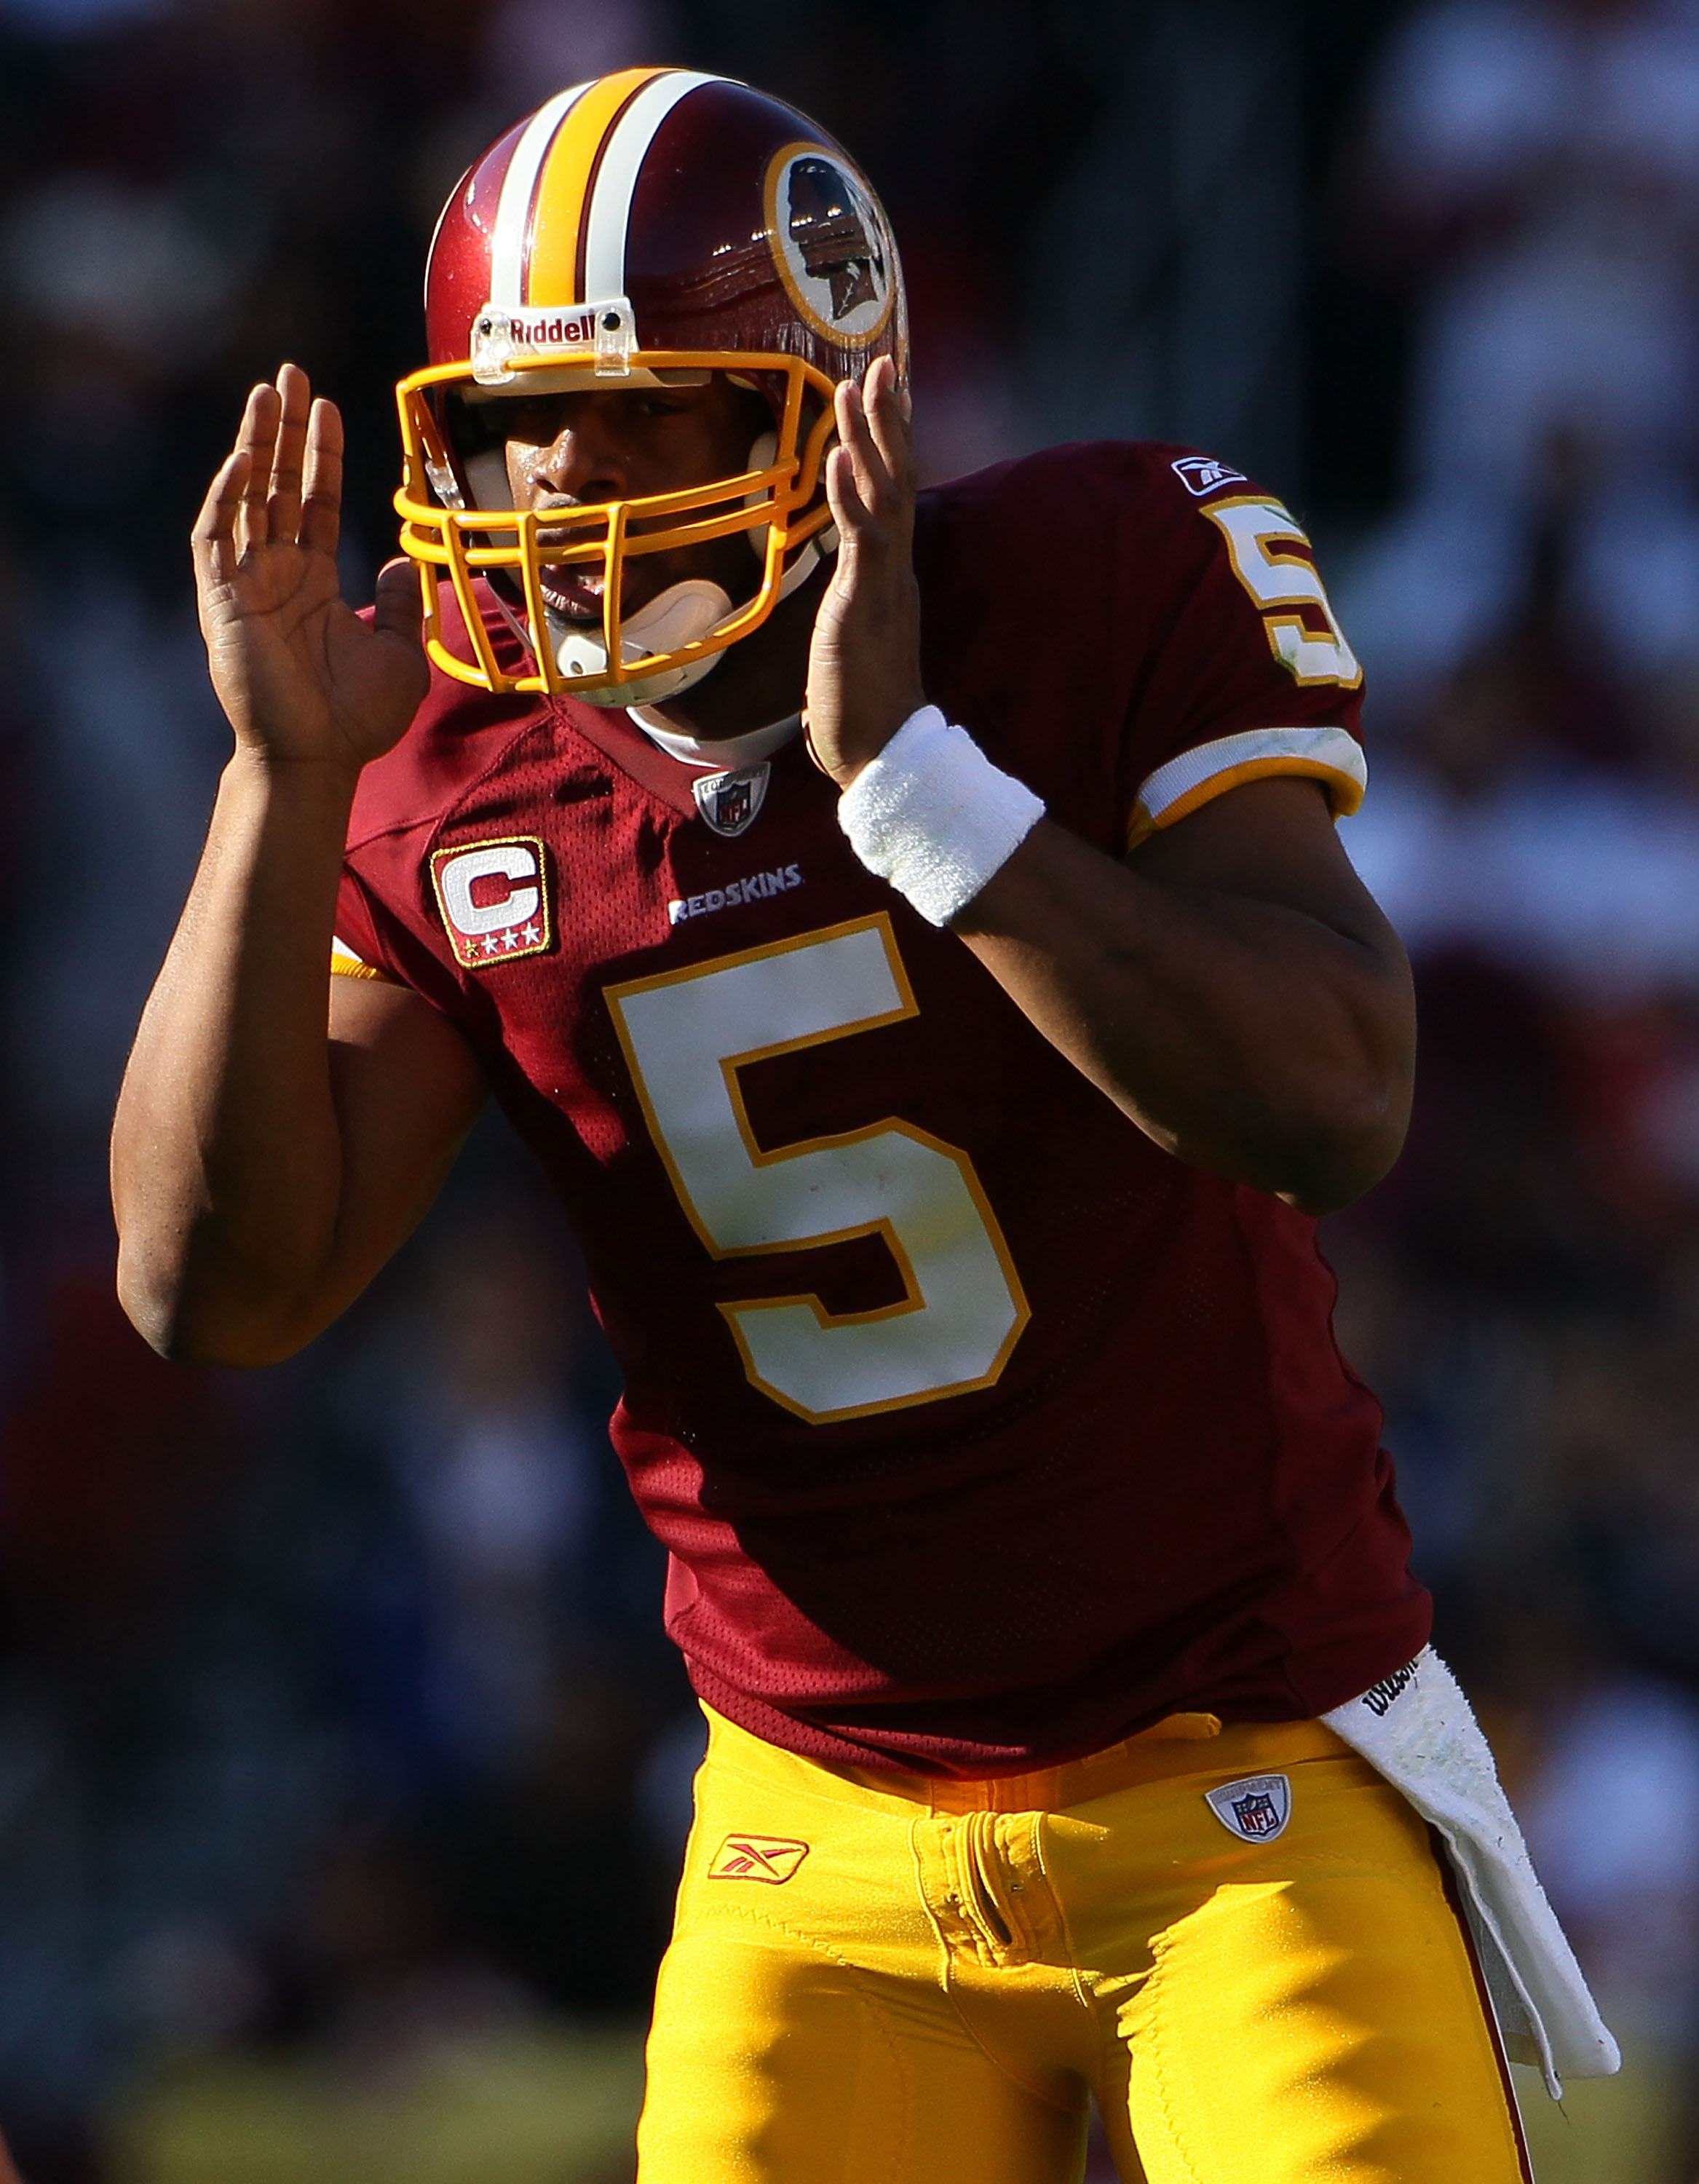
(677, 617)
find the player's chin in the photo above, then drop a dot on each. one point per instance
(571, 601)
(579, 606)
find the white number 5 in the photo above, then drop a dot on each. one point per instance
(1276, 580)
(685, 1035)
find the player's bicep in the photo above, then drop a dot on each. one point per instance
(1274, 841)
(1330, 991)
(407, 1089)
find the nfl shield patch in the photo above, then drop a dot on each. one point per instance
(730, 801)
(1255, 1809)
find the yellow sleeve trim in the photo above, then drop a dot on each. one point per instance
(1197, 777)
(345, 964)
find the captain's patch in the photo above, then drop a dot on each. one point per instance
(494, 899)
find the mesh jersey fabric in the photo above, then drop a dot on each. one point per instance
(1165, 1491)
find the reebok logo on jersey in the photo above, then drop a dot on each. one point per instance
(494, 899)
(1255, 1809)
(755, 889)
(1201, 475)
(771, 1859)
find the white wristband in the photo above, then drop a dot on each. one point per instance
(933, 816)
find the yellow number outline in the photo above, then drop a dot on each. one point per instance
(1313, 594)
(913, 1298)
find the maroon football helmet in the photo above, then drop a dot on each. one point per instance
(648, 228)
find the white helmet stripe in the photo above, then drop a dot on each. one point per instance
(518, 187)
(610, 202)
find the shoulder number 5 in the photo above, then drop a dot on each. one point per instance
(685, 1035)
(1255, 530)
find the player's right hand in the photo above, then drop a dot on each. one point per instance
(299, 675)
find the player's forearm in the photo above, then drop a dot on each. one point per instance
(1247, 1037)
(226, 1157)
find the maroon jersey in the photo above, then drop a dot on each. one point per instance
(982, 1431)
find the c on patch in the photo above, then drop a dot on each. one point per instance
(494, 899)
(771, 1858)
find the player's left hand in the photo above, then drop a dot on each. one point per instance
(864, 678)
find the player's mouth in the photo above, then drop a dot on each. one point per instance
(574, 593)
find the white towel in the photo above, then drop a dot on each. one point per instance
(1417, 1729)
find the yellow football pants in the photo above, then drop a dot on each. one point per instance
(907, 1980)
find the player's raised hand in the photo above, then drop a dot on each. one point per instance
(300, 676)
(864, 678)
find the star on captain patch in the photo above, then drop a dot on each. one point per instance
(730, 801)
(494, 897)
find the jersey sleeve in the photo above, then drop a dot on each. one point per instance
(1248, 673)
(358, 952)
(345, 964)
(380, 935)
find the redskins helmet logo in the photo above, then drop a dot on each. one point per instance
(829, 238)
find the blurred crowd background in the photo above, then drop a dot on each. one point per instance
(343, 1770)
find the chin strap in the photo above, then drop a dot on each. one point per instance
(680, 615)
(577, 652)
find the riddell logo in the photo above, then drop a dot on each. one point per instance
(771, 1859)
(602, 333)
(551, 329)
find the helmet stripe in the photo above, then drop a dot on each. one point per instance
(518, 186)
(564, 184)
(616, 183)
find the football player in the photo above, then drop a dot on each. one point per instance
(912, 935)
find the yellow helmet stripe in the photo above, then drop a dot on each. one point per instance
(615, 179)
(563, 185)
(513, 206)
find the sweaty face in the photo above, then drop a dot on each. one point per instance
(566, 450)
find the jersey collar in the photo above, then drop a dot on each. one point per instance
(726, 752)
